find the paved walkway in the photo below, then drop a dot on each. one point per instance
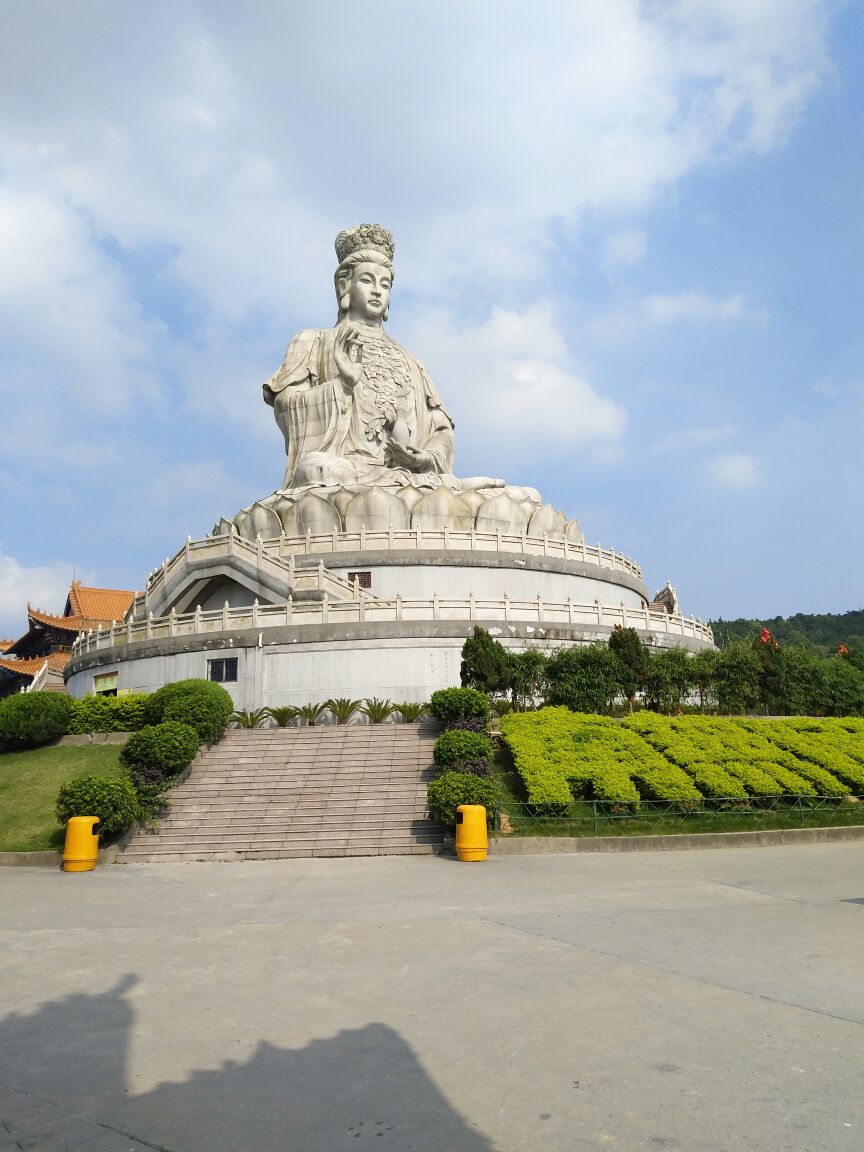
(697, 1002)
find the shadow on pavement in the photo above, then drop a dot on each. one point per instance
(359, 1089)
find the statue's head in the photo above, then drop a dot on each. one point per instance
(365, 273)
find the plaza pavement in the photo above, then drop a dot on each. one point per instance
(707, 1001)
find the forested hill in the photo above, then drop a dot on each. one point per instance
(821, 633)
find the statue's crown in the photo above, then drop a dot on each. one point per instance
(352, 240)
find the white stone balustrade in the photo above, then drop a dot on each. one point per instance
(328, 611)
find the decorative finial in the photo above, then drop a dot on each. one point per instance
(365, 236)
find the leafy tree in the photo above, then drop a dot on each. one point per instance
(669, 679)
(802, 682)
(844, 689)
(632, 659)
(527, 675)
(582, 679)
(738, 678)
(485, 663)
(703, 667)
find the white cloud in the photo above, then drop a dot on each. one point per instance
(507, 384)
(43, 586)
(695, 306)
(710, 433)
(735, 470)
(626, 247)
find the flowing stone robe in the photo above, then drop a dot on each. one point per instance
(327, 425)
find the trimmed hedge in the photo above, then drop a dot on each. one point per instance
(205, 706)
(456, 746)
(112, 798)
(33, 717)
(167, 747)
(450, 705)
(447, 791)
(562, 755)
(107, 713)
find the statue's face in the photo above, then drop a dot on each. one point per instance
(369, 292)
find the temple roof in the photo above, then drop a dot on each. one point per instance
(102, 604)
(30, 665)
(5, 645)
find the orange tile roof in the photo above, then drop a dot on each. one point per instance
(105, 604)
(31, 664)
(5, 645)
(63, 623)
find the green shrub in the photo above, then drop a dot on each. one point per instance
(111, 798)
(452, 704)
(34, 717)
(447, 791)
(582, 679)
(168, 747)
(456, 746)
(206, 706)
(107, 713)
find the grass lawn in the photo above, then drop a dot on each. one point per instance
(29, 782)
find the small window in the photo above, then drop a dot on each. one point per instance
(223, 671)
(106, 684)
(364, 579)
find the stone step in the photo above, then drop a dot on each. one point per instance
(286, 793)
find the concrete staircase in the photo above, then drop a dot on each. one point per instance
(262, 794)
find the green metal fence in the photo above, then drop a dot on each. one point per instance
(624, 818)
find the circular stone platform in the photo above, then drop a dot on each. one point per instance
(366, 613)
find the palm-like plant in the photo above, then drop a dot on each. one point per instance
(411, 713)
(242, 718)
(378, 711)
(311, 713)
(343, 710)
(284, 715)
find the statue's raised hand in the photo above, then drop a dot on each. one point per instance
(350, 370)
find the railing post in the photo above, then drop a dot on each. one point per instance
(545, 544)
(259, 547)
(506, 606)
(446, 536)
(436, 608)
(334, 539)
(149, 626)
(355, 587)
(255, 612)
(390, 537)
(398, 606)
(623, 614)
(325, 609)
(419, 534)
(471, 603)
(225, 616)
(599, 608)
(361, 609)
(172, 622)
(362, 537)
(570, 608)
(320, 575)
(291, 572)
(539, 606)
(289, 609)
(196, 625)
(498, 538)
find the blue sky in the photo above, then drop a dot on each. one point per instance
(629, 251)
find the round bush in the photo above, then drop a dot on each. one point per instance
(456, 746)
(107, 713)
(167, 747)
(34, 717)
(111, 798)
(450, 789)
(206, 706)
(452, 704)
(467, 724)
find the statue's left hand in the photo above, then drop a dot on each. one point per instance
(406, 456)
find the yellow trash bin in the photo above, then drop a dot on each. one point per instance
(82, 844)
(472, 840)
